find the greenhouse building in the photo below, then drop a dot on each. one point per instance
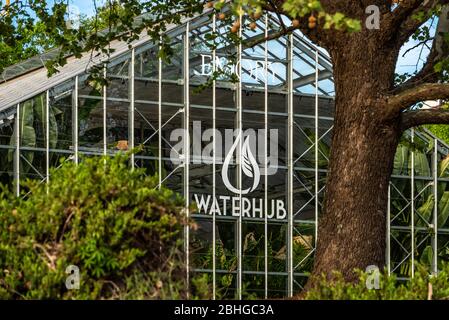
(252, 150)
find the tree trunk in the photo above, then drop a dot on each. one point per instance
(352, 227)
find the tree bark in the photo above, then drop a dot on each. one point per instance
(352, 227)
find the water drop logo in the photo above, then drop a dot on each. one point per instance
(249, 166)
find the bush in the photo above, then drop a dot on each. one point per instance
(111, 222)
(441, 131)
(422, 287)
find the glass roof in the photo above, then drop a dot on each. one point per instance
(28, 65)
(252, 59)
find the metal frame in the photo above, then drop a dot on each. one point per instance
(290, 164)
(214, 166)
(132, 107)
(267, 17)
(17, 152)
(434, 226)
(105, 114)
(47, 137)
(412, 210)
(239, 127)
(186, 75)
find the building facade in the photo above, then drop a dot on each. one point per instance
(250, 148)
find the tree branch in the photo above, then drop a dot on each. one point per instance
(423, 92)
(275, 6)
(415, 118)
(393, 19)
(421, 43)
(439, 52)
(271, 36)
(411, 23)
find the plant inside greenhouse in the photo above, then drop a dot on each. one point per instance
(224, 150)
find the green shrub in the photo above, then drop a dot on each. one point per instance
(422, 287)
(440, 130)
(122, 232)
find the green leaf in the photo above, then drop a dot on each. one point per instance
(443, 209)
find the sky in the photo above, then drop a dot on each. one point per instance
(86, 6)
(408, 63)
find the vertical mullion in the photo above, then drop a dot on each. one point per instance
(132, 106)
(214, 181)
(317, 202)
(75, 121)
(388, 235)
(105, 146)
(412, 192)
(160, 119)
(290, 166)
(17, 155)
(186, 43)
(266, 159)
(47, 136)
(435, 214)
(239, 163)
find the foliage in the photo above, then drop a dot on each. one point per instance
(116, 20)
(422, 287)
(111, 222)
(441, 131)
(253, 258)
(22, 24)
(305, 8)
(30, 42)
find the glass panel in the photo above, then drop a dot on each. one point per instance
(277, 286)
(253, 59)
(277, 54)
(90, 120)
(277, 247)
(7, 146)
(303, 247)
(147, 136)
(147, 64)
(146, 91)
(61, 118)
(118, 88)
(33, 138)
(253, 286)
(117, 125)
(118, 78)
(173, 69)
(89, 87)
(200, 57)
